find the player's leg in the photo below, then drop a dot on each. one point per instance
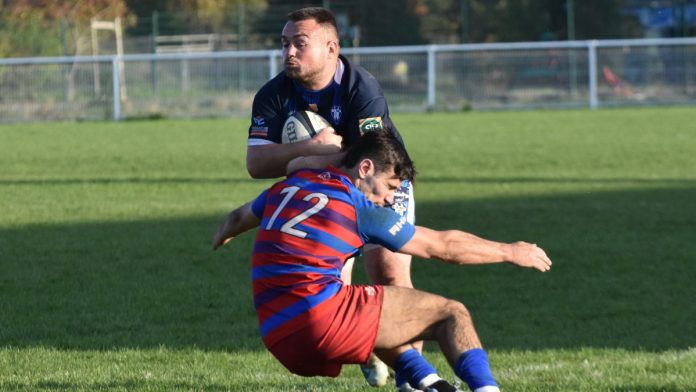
(410, 315)
(390, 269)
(393, 269)
(387, 268)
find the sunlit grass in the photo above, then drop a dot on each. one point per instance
(108, 282)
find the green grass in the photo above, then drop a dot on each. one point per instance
(107, 281)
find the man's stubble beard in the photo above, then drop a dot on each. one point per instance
(300, 77)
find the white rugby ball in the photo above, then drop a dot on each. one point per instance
(302, 125)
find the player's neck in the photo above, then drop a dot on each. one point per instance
(322, 80)
(352, 174)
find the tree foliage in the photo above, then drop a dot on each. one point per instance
(50, 28)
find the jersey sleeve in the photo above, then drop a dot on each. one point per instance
(384, 227)
(368, 108)
(267, 116)
(259, 203)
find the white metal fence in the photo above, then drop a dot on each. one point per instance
(414, 78)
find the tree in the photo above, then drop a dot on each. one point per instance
(41, 27)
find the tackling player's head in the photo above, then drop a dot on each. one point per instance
(378, 163)
(310, 47)
(321, 16)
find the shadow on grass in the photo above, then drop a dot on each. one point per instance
(127, 180)
(623, 277)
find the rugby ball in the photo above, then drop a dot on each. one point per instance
(302, 125)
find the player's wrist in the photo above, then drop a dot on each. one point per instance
(507, 252)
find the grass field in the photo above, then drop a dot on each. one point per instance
(107, 280)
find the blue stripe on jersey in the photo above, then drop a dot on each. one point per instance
(301, 306)
(275, 248)
(272, 293)
(269, 271)
(258, 204)
(312, 186)
(313, 234)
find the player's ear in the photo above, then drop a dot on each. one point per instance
(333, 48)
(366, 168)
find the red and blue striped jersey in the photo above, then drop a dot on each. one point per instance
(311, 223)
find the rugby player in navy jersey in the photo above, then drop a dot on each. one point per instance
(311, 223)
(316, 77)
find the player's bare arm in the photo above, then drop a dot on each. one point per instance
(270, 160)
(237, 222)
(458, 247)
(314, 162)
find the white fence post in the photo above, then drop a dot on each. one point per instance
(592, 75)
(463, 78)
(116, 75)
(273, 64)
(432, 75)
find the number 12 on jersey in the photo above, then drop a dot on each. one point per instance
(289, 227)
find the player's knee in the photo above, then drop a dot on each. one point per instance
(458, 311)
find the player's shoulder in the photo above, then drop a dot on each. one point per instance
(279, 85)
(330, 177)
(358, 78)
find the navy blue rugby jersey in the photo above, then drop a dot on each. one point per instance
(353, 103)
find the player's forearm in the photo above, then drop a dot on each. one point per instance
(238, 221)
(271, 160)
(314, 162)
(465, 248)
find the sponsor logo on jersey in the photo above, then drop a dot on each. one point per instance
(397, 226)
(370, 124)
(336, 114)
(325, 176)
(258, 127)
(399, 208)
(259, 121)
(369, 290)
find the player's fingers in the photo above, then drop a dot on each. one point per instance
(542, 267)
(545, 263)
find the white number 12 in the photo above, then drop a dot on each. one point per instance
(322, 201)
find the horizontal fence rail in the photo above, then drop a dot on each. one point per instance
(559, 74)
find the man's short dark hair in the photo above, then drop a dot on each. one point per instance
(322, 16)
(385, 151)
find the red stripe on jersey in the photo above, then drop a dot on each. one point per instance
(302, 281)
(301, 320)
(281, 302)
(299, 245)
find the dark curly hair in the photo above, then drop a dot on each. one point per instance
(385, 151)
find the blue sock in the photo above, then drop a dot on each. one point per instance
(412, 367)
(399, 379)
(472, 367)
